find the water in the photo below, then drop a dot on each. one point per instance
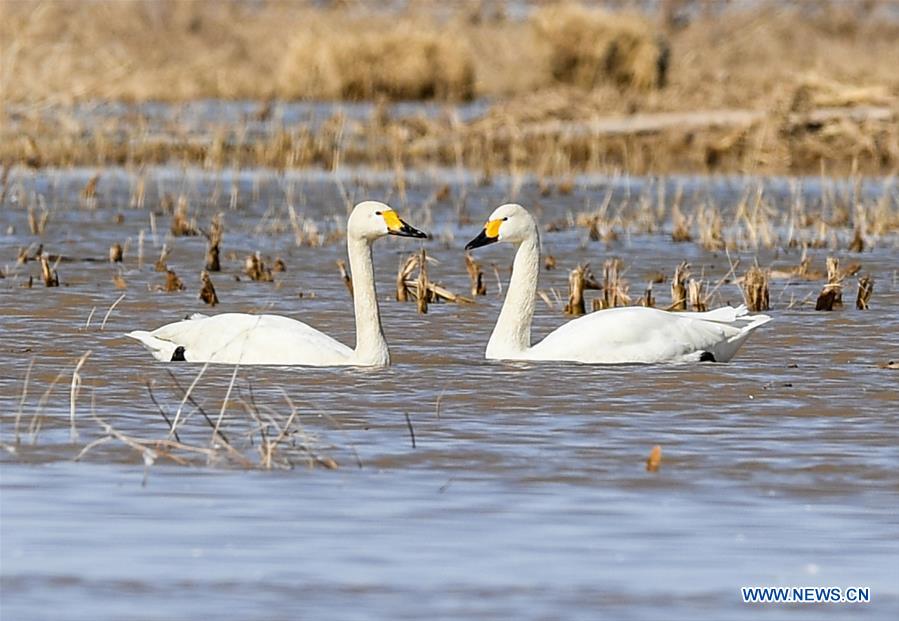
(525, 495)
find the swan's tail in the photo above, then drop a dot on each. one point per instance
(747, 324)
(161, 350)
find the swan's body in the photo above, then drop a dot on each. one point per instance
(235, 338)
(631, 334)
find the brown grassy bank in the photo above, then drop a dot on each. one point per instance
(549, 75)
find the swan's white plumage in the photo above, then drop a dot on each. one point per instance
(235, 338)
(637, 334)
(630, 334)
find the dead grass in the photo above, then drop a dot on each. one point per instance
(588, 47)
(551, 74)
(377, 57)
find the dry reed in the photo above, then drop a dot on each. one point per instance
(172, 282)
(654, 461)
(787, 107)
(48, 273)
(207, 290)
(679, 287)
(476, 275)
(214, 241)
(256, 269)
(345, 277)
(695, 295)
(755, 289)
(116, 253)
(831, 295)
(588, 47)
(865, 291)
(614, 288)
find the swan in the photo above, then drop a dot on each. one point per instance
(236, 338)
(631, 334)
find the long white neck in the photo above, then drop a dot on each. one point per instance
(371, 348)
(512, 334)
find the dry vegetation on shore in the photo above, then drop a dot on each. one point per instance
(814, 83)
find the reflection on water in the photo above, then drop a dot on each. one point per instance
(525, 495)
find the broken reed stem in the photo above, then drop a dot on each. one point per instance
(109, 311)
(48, 274)
(181, 226)
(116, 253)
(654, 461)
(35, 224)
(680, 226)
(422, 283)
(172, 282)
(255, 268)
(858, 241)
(22, 400)
(647, 299)
(149, 385)
(272, 446)
(199, 407)
(411, 429)
(679, 287)
(187, 396)
(614, 288)
(755, 289)
(402, 275)
(207, 290)
(476, 275)
(831, 295)
(865, 290)
(214, 239)
(347, 280)
(695, 295)
(161, 263)
(576, 282)
(73, 395)
(218, 422)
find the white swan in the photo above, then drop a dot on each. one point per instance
(235, 338)
(632, 334)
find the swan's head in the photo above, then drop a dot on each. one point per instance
(508, 223)
(372, 219)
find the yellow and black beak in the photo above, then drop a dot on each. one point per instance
(488, 235)
(397, 227)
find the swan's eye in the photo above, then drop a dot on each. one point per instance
(378, 213)
(506, 218)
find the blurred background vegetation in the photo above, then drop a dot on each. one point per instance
(820, 75)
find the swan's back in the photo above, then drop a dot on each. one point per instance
(234, 338)
(635, 334)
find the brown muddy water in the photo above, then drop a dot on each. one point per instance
(525, 494)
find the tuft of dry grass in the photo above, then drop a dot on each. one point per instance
(579, 279)
(755, 289)
(256, 269)
(590, 46)
(377, 57)
(614, 287)
(172, 282)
